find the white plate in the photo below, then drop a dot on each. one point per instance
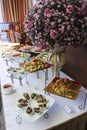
(14, 55)
(10, 92)
(36, 116)
(20, 72)
(25, 48)
(36, 50)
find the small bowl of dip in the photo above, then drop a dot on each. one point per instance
(7, 88)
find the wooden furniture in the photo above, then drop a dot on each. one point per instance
(9, 28)
(22, 37)
(76, 63)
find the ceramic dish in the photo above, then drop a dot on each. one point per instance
(7, 88)
(37, 50)
(34, 109)
(25, 48)
(64, 87)
(35, 65)
(17, 72)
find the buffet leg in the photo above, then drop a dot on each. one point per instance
(12, 79)
(20, 81)
(38, 75)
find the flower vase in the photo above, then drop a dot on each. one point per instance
(57, 57)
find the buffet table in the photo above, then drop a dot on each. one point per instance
(64, 114)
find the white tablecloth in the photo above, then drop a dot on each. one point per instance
(57, 114)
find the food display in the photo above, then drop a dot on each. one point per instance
(43, 106)
(33, 49)
(33, 95)
(43, 56)
(23, 102)
(37, 110)
(29, 110)
(12, 54)
(35, 65)
(17, 72)
(34, 104)
(22, 105)
(36, 49)
(26, 95)
(64, 87)
(25, 48)
(16, 55)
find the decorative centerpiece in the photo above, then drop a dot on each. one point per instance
(56, 23)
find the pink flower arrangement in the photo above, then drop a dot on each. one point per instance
(57, 22)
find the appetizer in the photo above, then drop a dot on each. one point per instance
(64, 87)
(26, 95)
(42, 100)
(21, 100)
(39, 96)
(33, 95)
(29, 110)
(22, 105)
(35, 65)
(37, 110)
(43, 106)
(22, 72)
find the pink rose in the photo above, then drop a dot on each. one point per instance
(40, 44)
(47, 21)
(82, 11)
(30, 24)
(37, 16)
(47, 12)
(56, 45)
(47, 30)
(46, 1)
(69, 9)
(53, 34)
(53, 23)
